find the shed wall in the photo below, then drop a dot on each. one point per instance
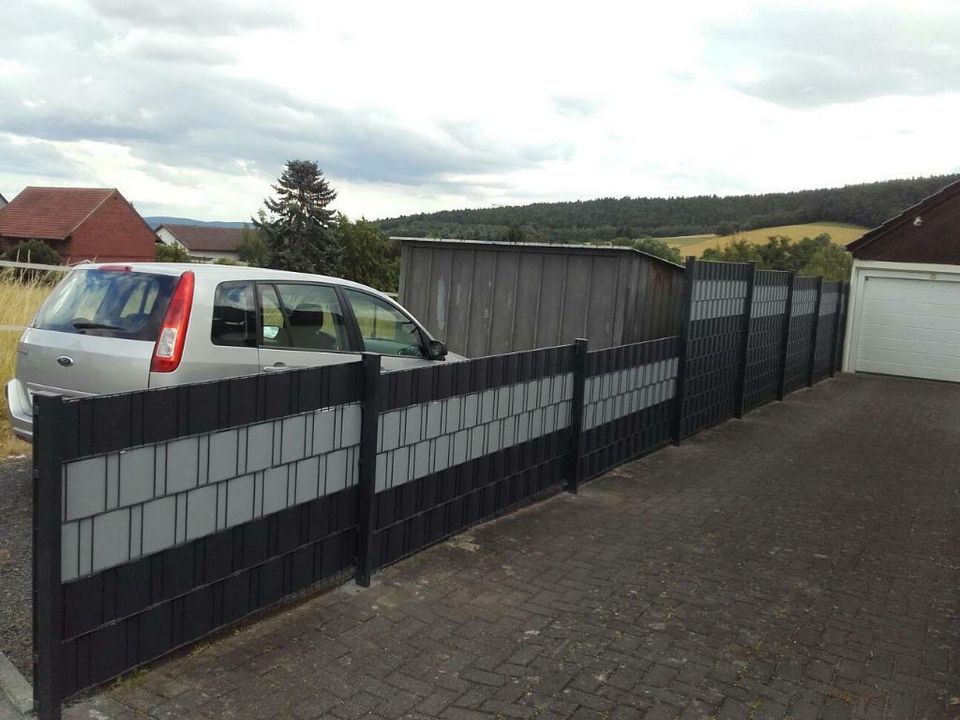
(485, 300)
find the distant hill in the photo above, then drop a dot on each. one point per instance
(865, 205)
(156, 221)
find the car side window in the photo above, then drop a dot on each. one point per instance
(383, 327)
(315, 320)
(234, 315)
(273, 325)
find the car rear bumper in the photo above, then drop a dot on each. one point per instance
(20, 409)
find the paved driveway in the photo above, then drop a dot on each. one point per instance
(801, 563)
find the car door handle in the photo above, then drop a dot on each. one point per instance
(276, 367)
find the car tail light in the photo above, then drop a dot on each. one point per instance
(173, 332)
(115, 268)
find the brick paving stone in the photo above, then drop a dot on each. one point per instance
(457, 713)
(797, 563)
(662, 712)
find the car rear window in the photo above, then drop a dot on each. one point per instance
(109, 303)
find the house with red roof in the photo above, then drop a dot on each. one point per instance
(95, 224)
(204, 243)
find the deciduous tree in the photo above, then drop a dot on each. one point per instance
(171, 253)
(36, 252)
(367, 255)
(832, 262)
(252, 248)
(811, 256)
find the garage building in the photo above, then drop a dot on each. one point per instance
(904, 313)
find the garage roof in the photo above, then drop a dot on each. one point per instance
(928, 232)
(202, 237)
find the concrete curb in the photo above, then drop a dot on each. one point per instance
(14, 687)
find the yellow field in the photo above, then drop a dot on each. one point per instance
(840, 233)
(19, 301)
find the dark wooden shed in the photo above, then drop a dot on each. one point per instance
(483, 298)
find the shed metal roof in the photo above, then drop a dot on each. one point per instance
(533, 247)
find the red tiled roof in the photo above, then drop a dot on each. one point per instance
(202, 237)
(48, 213)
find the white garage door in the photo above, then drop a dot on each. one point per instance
(910, 327)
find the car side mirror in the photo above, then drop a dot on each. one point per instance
(436, 350)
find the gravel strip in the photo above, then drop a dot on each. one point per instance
(16, 595)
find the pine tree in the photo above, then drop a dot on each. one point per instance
(297, 225)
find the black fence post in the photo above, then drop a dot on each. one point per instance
(574, 470)
(688, 281)
(745, 340)
(367, 484)
(49, 432)
(836, 329)
(813, 332)
(785, 338)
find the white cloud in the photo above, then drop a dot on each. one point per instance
(193, 108)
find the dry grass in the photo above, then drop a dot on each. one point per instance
(19, 302)
(840, 233)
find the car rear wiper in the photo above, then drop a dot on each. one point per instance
(84, 325)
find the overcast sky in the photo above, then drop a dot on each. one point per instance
(192, 107)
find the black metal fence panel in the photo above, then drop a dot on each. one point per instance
(446, 460)
(826, 338)
(433, 383)
(714, 332)
(764, 342)
(629, 397)
(802, 323)
(123, 617)
(183, 510)
(115, 422)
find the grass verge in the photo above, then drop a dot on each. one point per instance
(20, 298)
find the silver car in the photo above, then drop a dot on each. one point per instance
(112, 328)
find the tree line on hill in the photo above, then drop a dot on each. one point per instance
(867, 204)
